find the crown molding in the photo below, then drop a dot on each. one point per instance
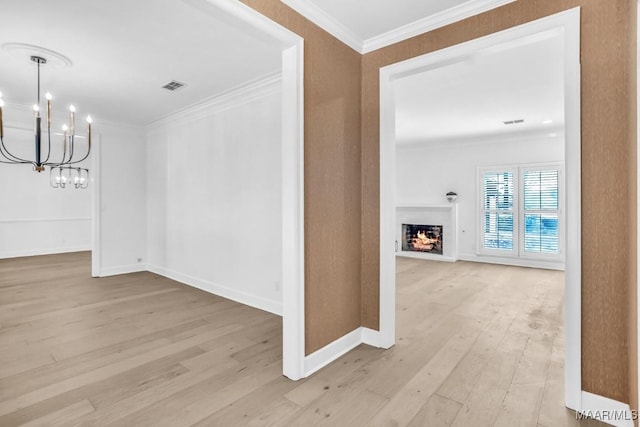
(311, 11)
(328, 23)
(430, 23)
(555, 133)
(250, 91)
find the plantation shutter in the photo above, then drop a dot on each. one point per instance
(541, 211)
(498, 210)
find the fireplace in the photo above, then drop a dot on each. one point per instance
(422, 238)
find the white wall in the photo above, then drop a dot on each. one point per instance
(36, 219)
(120, 170)
(214, 196)
(425, 173)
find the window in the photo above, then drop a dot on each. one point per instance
(520, 211)
(498, 205)
(541, 211)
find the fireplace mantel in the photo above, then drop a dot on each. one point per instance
(434, 214)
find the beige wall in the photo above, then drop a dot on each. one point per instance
(342, 175)
(332, 178)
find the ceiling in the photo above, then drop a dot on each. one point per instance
(124, 51)
(470, 100)
(372, 24)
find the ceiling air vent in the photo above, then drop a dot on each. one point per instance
(513, 122)
(173, 85)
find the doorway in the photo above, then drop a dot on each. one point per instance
(565, 28)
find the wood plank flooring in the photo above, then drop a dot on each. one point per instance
(478, 345)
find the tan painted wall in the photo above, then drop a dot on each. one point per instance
(332, 178)
(608, 149)
(342, 172)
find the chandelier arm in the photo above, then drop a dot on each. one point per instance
(12, 158)
(66, 161)
(17, 163)
(69, 162)
(11, 161)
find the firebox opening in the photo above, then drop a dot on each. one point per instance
(422, 238)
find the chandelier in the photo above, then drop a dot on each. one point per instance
(63, 171)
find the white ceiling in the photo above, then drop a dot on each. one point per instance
(372, 24)
(124, 51)
(470, 100)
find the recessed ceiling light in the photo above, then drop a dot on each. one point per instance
(551, 135)
(547, 122)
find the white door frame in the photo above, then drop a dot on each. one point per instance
(293, 357)
(95, 182)
(566, 25)
(292, 182)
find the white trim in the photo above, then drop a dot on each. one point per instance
(570, 21)
(315, 14)
(120, 269)
(607, 410)
(567, 25)
(430, 23)
(44, 251)
(257, 20)
(423, 255)
(322, 19)
(373, 338)
(341, 346)
(388, 210)
(293, 345)
(18, 220)
(484, 139)
(95, 185)
(243, 94)
(245, 298)
(514, 261)
(332, 351)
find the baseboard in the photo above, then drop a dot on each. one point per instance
(607, 410)
(122, 269)
(372, 338)
(220, 290)
(327, 354)
(516, 262)
(45, 251)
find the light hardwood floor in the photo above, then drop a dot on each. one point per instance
(478, 345)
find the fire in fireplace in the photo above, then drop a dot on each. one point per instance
(422, 238)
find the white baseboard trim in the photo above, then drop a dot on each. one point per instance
(372, 338)
(341, 346)
(220, 290)
(607, 410)
(327, 354)
(548, 265)
(43, 251)
(121, 269)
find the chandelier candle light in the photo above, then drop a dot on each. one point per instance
(62, 172)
